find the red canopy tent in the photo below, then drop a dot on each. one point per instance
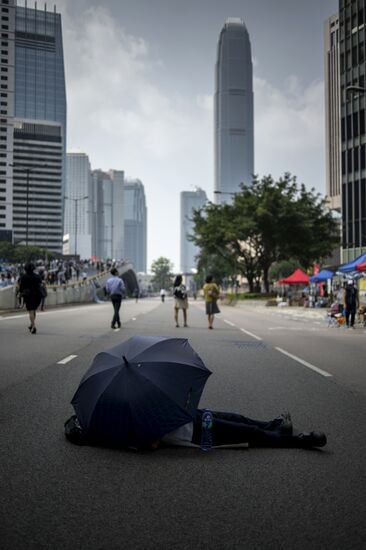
(298, 277)
(361, 267)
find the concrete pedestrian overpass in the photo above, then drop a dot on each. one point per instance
(76, 292)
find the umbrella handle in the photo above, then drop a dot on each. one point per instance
(125, 360)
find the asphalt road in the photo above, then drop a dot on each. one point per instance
(58, 496)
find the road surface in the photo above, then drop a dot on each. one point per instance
(58, 496)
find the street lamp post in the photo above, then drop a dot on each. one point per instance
(76, 216)
(28, 171)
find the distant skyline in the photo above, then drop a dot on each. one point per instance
(140, 82)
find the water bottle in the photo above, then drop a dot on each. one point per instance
(206, 431)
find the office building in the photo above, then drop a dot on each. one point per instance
(353, 132)
(332, 112)
(34, 90)
(78, 201)
(135, 214)
(233, 125)
(189, 200)
(107, 211)
(7, 87)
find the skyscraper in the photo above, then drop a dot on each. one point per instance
(332, 111)
(108, 214)
(7, 85)
(234, 126)
(38, 180)
(78, 200)
(135, 213)
(352, 20)
(189, 200)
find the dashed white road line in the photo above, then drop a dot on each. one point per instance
(229, 323)
(250, 334)
(66, 359)
(305, 363)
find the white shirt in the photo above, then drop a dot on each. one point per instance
(181, 437)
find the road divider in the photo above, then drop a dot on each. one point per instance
(305, 363)
(66, 359)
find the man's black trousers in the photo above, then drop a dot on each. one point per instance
(116, 301)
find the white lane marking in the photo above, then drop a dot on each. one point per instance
(229, 323)
(66, 359)
(13, 317)
(250, 334)
(305, 363)
(133, 318)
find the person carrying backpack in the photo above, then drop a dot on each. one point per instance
(181, 300)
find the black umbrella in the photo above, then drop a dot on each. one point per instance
(140, 390)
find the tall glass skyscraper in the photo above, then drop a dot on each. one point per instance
(78, 204)
(135, 213)
(189, 200)
(39, 158)
(234, 126)
(40, 92)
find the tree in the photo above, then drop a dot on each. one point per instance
(162, 273)
(267, 222)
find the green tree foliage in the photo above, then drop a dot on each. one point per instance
(280, 270)
(267, 222)
(20, 253)
(162, 273)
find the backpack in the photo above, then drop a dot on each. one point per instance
(180, 292)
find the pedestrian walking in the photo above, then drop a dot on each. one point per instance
(136, 294)
(211, 293)
(350, 303)
(30, 289)
(162, 294)
(181, 300)
(115, 287)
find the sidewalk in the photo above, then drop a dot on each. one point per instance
(312, 314)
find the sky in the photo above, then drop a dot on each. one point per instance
(140, 83)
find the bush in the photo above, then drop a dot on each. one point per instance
(250, 296)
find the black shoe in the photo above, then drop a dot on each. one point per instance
(119, 325)
(30, 328)
(282, 424)
(113, 326)
(312, 439)
(34, 330)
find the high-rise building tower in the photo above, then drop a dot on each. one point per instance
(107, 213)
(78, 200)
(189, 200)
(39, 129)
(332, 112)
(135, 224)
(7, 85)
(234, 126)
(352, 21)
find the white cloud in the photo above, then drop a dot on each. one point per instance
(121, 118)
(289, 128)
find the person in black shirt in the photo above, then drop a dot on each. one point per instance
(30, 289)
(350, 302)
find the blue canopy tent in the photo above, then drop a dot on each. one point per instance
(322, 276)
(352, 266)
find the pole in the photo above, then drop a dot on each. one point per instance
(27, 209)
(76, 224)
